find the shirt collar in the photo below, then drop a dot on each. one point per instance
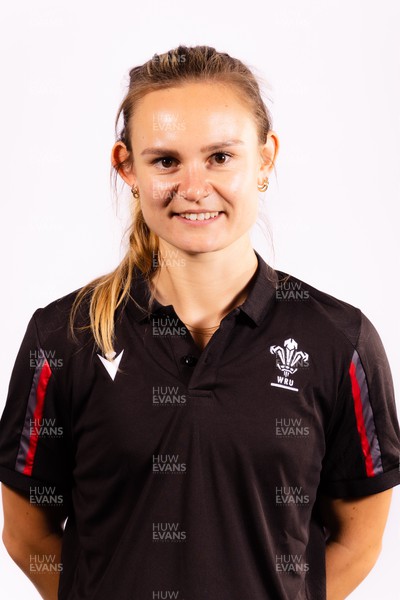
(261, 294)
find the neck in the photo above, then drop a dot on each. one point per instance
(204, 287)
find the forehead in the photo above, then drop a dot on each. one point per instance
(199, 108)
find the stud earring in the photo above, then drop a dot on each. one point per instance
(264, 185)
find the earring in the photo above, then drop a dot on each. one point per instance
(264, 185)
(135, 192)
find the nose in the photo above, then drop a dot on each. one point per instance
(193, 185)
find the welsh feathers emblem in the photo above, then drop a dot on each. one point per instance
(288, 360)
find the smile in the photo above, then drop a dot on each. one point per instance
(203, 216)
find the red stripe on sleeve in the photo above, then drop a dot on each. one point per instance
(44, 377)
(355, 388)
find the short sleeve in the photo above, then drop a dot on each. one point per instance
(34, 455)
(363, 441)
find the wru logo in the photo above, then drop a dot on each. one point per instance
(288, 358)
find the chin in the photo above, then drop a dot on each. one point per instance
(193, 247)
(198, 248)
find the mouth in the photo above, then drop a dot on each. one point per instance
(198, 216)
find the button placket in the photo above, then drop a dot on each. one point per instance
(198, 368)
(189, 360)
(183, 347)
(205, 372)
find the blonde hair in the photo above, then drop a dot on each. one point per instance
(174, 68)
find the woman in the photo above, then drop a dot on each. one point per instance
(206, 434)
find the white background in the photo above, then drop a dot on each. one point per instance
(334, 72)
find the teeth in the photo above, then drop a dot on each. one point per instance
(199, 216)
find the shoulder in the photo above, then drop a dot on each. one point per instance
(330, 328)
(318, 309)
(54, 320)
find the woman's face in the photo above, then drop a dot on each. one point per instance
(196, 162)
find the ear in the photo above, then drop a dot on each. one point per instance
(269, 153)
(119, 154)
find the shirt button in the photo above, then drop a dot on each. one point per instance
(189, 360)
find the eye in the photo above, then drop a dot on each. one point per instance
(221, 158)
(165, 162)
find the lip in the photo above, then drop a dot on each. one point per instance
(198, 223)
(201, 210)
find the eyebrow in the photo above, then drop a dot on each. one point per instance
(211, 147)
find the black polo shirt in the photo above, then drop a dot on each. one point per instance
(194, 474)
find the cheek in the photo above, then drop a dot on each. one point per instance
(242, 181)
(234, 183)
(154, 204)
(155, 195)
(242, 193)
